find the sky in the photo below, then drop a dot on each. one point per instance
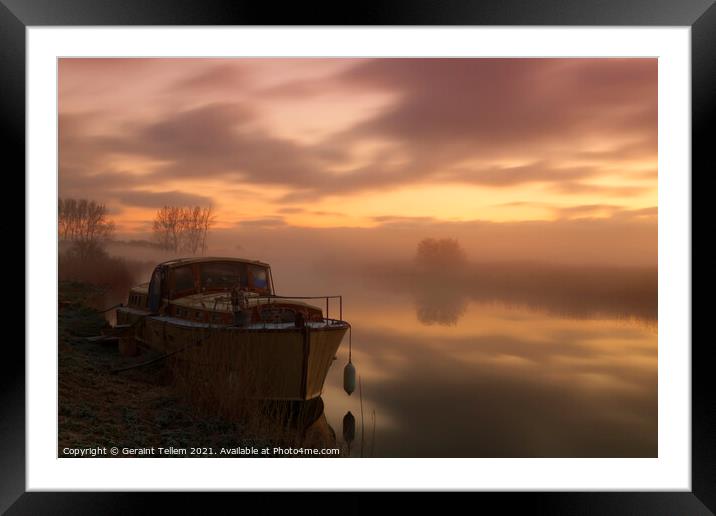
(550, 158)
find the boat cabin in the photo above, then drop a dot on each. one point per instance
(182, 278)
(206, 290)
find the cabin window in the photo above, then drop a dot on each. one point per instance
(223, 275)
(259, 276)
(183, 278)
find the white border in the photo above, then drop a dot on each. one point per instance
(670, 471)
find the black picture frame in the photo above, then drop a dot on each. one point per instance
(700, 15)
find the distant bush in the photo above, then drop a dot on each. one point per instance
(444, 253)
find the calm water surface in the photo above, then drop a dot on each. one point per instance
(446, 376)
(459, 370)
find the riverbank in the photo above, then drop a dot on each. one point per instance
(138, 408)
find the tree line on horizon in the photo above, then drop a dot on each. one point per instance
(85, 225)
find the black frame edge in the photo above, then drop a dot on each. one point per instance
(384, 12)
(12, 379)
(700, 14)
(703, 403)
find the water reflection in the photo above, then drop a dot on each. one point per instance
(441, 296)
(492, 361)
(293, 423)
(451, 373)
(438, 304)
(349, 429)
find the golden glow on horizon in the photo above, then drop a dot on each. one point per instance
(448, 203)
(302, 108)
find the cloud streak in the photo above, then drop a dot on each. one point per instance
(564, 125)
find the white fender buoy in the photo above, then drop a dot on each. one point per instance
(349, 378)
(349, 428)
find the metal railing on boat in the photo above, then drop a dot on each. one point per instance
(326, 318)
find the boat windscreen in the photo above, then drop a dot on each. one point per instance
(183, 278)
(259, 277)
(223, 275)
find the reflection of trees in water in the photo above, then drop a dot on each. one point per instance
(441, 294)
(440, 263)
(439, 304)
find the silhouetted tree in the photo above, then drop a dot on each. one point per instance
(183, 228)
(440, 253)
(196, 224)
(167, 227)
(85, 224)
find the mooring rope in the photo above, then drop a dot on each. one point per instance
(157, 359)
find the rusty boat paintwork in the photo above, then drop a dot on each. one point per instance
(223, 324)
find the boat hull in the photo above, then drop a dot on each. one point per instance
(279, 362)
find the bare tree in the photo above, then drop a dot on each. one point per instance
(167, 227)
(197, 222)
(66, 210)
(85, 224)
(183, 228)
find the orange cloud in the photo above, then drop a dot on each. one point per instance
(336, 142)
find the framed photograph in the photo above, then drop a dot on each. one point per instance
(437, 248)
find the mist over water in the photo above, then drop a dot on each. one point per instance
(500, 359)
(494, 360)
